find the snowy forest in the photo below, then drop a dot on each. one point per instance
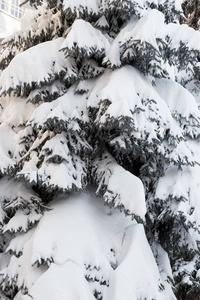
(100, 153)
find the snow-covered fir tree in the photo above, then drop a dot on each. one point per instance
(99, 153)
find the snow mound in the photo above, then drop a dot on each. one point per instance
(84, 243)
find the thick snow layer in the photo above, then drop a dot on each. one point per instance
(16, 195)
(84, 36)
(183, 184)
(183, 34)
(31, 14)
(146, 112)
(63, 109)
(11, 189)
(28, 273)
(34, 23)
(126, 95)
(179, 100)
(65, 175)
(81, 246)
(123, 189)
(17, 243)
(38, 64)
(57, 165)
(14, 119)
(21, 221)
(114, 52)
(149, 28)
(131, 278)
(46, 91)
(79, 6)
(134, 98)
(164, 266)
(71, 284)
(80, 237)
(130, 188)
(69, 172)
(173, 182)
(29, 170)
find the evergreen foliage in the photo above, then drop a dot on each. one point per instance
(99, 154)
(191, 10)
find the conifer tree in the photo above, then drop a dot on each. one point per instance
(99, 153)
(191, 9)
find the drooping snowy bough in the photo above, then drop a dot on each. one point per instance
(99, 153)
